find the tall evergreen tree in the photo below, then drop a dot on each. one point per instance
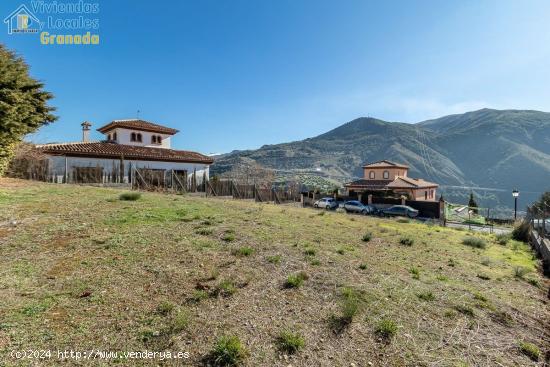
(472, 202)
(23, 104)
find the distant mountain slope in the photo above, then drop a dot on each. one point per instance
(499, 149)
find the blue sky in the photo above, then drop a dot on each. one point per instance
(241, 74)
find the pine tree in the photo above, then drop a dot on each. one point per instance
(472, 202)
(23, 104)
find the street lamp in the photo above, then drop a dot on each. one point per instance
(515, 194)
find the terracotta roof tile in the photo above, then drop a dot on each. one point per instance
(407, 182)
(373, 184)
(137, 125)
(114, 150)
(384, 164)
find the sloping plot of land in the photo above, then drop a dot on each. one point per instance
(83, 270)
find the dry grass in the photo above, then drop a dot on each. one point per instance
(82, 270)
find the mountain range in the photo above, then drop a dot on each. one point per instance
(489, 152)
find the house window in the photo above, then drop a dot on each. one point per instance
(109, 137)
(372, 175)
(114, 136)
(153, 139)
(159, 139)
(133, 137)
(425, 195)
(386, 175)
(138, 137)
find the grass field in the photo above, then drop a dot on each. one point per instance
(258, 284)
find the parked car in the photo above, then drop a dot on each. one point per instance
(327, 203)
(399, 210)
(354, 206)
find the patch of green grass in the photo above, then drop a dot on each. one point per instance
(296, 280)
(406, 241)
(129, 196)
(243, 251)
(204, 231)
(530, 350)
(386, 328)
(520, 271)
(225, 288)
(475, 242)
(180, 321)
(503, 238)
(199, 295)
(415, 272)
(165, 308)
(367, 237)
(480, 297)
(465, 310)
(228, 351)
(315, 262)
(341, 251)
(290, 342)
(426, 296)
(275, 259)
(403, 220)
(310, 251)
(228, 236)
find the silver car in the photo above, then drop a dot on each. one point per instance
(327, 203)
(355, 206)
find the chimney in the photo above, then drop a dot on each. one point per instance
(85, 131)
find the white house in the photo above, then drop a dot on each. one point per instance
(132, 151)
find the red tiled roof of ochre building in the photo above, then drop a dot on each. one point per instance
(137, 125)
(118, 151)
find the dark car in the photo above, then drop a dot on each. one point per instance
(399, 210)
(354, 206)
(327, 203)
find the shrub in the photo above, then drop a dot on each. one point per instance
(275, 259)
(521, 232)
(180, 321)
(199, 295)
(228, 236)
(475, 242)
(386, 328)
(406, 241)
(466, 310)
(341, 251)
(486, 261)
(530, 350)
(520, 271)
(129, 196)
(533, 282)
(426, 296)
(367, 237)
(315, 262)
(480, 297)
(244, 251)
(226, 288)
(204, 231)
(165, 308)
(228, 351)
(290, 342)
(503, 238)
(296, 280)
(363, 266)
(310, 251)
(415, 272)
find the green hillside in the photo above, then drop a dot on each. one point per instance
(496, 150)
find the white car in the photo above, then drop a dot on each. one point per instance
(327, 203)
